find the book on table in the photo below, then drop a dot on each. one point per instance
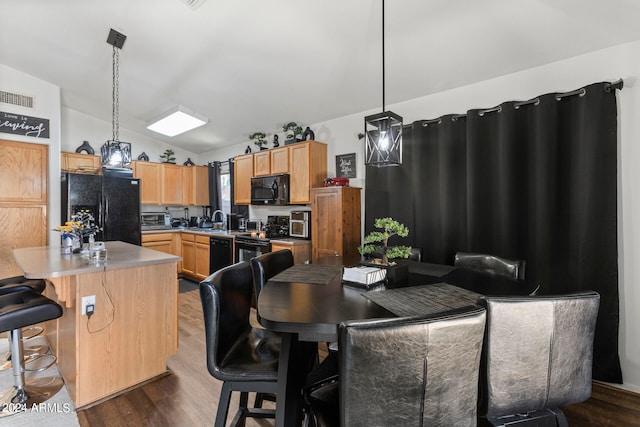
(364, 274)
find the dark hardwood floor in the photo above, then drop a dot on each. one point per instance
(188, 396)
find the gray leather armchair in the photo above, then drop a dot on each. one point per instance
(243, 357)
(537, 357)
(405, 372)
(490, 264)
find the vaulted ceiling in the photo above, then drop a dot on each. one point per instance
(252, 65)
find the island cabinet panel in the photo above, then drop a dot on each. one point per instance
(336, 227)
(150, 181)
(128, 338)
(242, 173)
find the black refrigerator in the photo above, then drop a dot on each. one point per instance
(113, 199)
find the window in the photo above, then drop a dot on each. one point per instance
(225, 185)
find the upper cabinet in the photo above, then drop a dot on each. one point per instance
(23, 172)
(305, 162)
(169, 184)
(242, 173)
(80, 163)
(308, 169)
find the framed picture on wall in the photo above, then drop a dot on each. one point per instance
(346, 165)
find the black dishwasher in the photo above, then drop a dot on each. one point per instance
(220, 253)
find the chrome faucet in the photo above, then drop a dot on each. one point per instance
(213, 216)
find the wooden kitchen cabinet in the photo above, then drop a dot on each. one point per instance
(80, 163)
(242, 173)
(307, 169)
(335, 229)
(195, 255)
(262, 163)
(200, 177)
(163, 242)
(202, 257)
(150, 175)
(172, 184)
(23, 200)
(271, 162)
(301, 250)
(188, 248)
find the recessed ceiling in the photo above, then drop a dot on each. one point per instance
(254, 65)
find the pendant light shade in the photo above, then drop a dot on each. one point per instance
(383, 139)
(383, 131)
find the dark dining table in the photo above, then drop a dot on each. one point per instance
(307, 302)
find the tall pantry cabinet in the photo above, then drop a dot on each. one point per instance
(23, 200)
(335, 229)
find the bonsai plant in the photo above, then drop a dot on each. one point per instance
(293, 130)
(167, 156)
(258, 138)
(377, 242)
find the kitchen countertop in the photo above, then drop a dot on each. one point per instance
(49, 261)
(195, 230)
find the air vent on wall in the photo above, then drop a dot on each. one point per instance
(193, 4)
(16, 99)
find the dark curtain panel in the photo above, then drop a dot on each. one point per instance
(428, 192)
(533, 181)
(215, 187)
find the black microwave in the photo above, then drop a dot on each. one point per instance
(270, 190)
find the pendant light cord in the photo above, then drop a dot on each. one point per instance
(383, 61)
(115, 96)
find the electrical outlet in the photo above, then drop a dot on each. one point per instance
(91, 299)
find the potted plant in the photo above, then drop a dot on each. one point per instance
(376, 244)
(293, 130)
(167, 156)
(258, 138)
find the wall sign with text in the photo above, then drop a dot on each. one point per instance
(346, 165)
(19, 124)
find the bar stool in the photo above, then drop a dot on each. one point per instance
(19, 310)
(19, 284)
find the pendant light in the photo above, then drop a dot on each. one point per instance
(383, 131)
(115, 153)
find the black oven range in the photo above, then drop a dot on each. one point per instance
(249, 245)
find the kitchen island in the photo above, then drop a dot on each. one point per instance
(134, 328)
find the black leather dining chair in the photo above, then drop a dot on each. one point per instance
(243, 357)
(537, 357)
(513, 269)
(409, 371)
(267, 265)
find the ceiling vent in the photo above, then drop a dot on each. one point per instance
(193, 4)
(16, 99)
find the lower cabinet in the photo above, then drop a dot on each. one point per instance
(301, 251)
(163, 242)
(195, 256)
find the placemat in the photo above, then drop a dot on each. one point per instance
(309, 273)
(426, 299)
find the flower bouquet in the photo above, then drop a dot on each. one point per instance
(82, 224)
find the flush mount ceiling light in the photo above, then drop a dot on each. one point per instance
(115, 153)
(383, 131)
(176, 121)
